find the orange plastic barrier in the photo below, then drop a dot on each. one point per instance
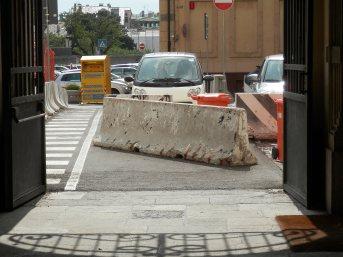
(219, 99)
(278, 153)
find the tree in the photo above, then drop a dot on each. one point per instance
(56, 40)
(85, 29)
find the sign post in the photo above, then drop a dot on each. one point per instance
(102, 44)
(223, 5)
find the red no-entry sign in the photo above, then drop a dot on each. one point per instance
(141, 46)
(223, 4)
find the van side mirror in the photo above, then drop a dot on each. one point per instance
(251, 79)
(208, 78)
(129, 79)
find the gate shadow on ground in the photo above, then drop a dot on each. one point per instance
(207, 244)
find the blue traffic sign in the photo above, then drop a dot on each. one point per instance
(102, 43)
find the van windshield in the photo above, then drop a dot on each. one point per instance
(174, 68)
(273, 71)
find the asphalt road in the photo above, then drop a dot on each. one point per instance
(95, 169)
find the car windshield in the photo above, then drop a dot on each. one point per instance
(274, 71)
(157, 69)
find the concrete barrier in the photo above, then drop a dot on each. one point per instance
(55, 98)
(261, 114)
(160, 98)
(201, 133)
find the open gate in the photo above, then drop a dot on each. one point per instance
(297, 77)
(22, 86)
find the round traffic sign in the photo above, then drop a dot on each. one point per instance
(223, 4)
(141, 46)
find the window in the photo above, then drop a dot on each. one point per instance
(75, 77)
(117, 71)
(169, 68)
(273, 71)
(129, 72)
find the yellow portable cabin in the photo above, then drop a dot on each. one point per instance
(95, 78)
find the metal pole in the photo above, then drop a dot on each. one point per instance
(169, 27)
(47, 38)
(223, 58)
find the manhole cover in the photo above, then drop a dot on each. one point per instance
(155, 214)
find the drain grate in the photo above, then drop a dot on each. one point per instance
(156, 214)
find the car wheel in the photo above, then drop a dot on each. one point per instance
(115, 91)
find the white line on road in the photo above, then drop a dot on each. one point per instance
(81, 159)
(62, 142)
(57, 163)
(59, 155)
(63, 138)
(60, 149)
(64, 129)
(67, 122)
(66, 125)
(55, 171)
(50, 181)
(49, 133)
(66, 119)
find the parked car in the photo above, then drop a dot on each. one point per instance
(73, 77)
(123, 71)
(175, 74)
(60, 68)
(132, 65)
(268, 78)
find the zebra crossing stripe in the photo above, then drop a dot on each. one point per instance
(62, 142)
(50, 181)
(55, 171)
(57, 163)
(60, 149)
(59, 155)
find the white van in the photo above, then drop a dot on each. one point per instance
(175, 74)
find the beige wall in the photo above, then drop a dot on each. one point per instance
(253, 29)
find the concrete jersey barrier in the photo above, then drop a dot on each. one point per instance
(199, 133)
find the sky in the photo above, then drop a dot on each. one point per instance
(135, 5)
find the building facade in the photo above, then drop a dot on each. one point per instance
(124, 13)
(244, 35)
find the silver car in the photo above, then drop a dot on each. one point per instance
(73, 77)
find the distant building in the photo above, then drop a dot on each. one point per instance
(150, 38)
(149, 22)
(124, 13)
(52, 11)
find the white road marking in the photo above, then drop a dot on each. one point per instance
(66, 126)
(60, 149)
(55, 171)
(49, 133)
(59, 155)
(80, 162)
(57, 163)
(62, 142)
(66, 119)
(64, 129)
(50, 181)
(67, 122)
(63, 138)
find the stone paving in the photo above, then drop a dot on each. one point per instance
(159, 223)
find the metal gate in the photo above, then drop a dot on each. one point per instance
(297, 107)
(23, 99)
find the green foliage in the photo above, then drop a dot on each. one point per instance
(85, 30)
(56, 40)
(73, 87)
